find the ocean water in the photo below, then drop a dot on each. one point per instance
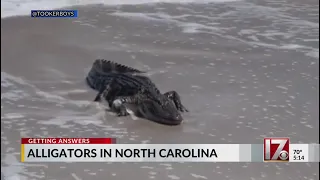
(245, 69)
(23, 7)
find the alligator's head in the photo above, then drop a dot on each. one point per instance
(164, 112)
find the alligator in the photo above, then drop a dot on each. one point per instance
(120, 85)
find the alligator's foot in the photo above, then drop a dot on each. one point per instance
(119, 108)
(174, 96)
(118, 105)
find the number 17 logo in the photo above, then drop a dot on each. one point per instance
(276, 149)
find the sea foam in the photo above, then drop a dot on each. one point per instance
(23, 7)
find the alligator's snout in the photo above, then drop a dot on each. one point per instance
(167, 115)
(178, 118)
(171, 121)
(174, 121)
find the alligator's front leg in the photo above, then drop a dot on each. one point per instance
(118, 104)
(174, 96)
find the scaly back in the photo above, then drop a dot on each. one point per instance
(106, 66)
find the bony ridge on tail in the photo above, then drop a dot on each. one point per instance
(120, 85)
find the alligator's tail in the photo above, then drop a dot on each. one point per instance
(100, 70)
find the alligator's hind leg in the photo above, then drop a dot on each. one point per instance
(100, 93)
(174, 96)
(109, 92)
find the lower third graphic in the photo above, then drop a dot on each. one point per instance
(276, 149)
(54, 13)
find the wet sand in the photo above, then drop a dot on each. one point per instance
(236, 91)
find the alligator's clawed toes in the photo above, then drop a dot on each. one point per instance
(122, 113)
(183, 109)
(118, 107)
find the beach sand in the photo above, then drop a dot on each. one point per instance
(239, 84)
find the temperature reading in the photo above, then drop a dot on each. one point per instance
(298, 155)
(297, 151)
